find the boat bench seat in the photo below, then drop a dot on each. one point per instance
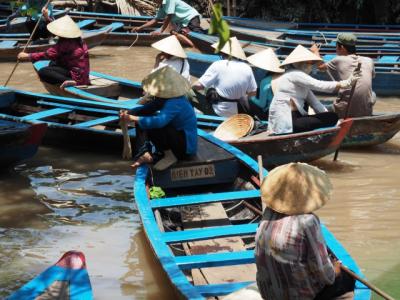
(8, 44)
(103, 87)
(46, 113)
(85, 23)
(388, 59)
(99, 121)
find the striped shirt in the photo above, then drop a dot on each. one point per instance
(291, 257)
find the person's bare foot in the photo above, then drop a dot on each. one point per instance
(146, 158)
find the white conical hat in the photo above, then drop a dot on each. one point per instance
(64, 27)
(233, 48)
(300, 54)
(266, 60)
(165, 83)
(171, 46)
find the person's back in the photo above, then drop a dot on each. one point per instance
(363, 98)
(291, 257)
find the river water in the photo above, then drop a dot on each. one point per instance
(62, 200)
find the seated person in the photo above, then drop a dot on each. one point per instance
(286, 112)
(229, 82)
(292, 258)
(69, 57)
(173, 131)
(268, 61)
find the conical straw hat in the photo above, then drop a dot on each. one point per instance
(233, 48)
(171, 46)
(165, 83)
(64, 27)
(296, 188)
(266, 60)
(234, 127)
(300, 54)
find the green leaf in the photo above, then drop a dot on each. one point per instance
(32, 12)
(219, 26)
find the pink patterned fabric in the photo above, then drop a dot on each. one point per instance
(291, 257)
(71, 54)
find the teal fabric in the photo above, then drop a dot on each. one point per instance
(33, 9)
(181, 12)
(265, 96)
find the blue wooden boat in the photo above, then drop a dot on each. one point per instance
(202, 232)
(9, 49)
(385, 83)
(67, 279)
(19, 141)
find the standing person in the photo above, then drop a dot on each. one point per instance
(173, 55)
(69, 57)
(341, 68)
(173, 131)
(229, 82)
(291, 254)
(179, 13)
(287, 113)
(268, 61)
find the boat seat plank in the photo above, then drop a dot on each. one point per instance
(81, 108)
(203, 198)
(46, 113)
(215, 259)
(86, 23)
(209, 233)
(212, 290)
(98, 121)
(388, 59)
(207, 125)
(8, 44)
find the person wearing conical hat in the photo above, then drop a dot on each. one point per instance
(173, 55)
(287, 112)
(340, 67)
(268, 61)
(173, 131)
(69, 57)
(229, 82)
(291, 254)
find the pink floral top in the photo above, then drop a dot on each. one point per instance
(71, 54)
(291, 257)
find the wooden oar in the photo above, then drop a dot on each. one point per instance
(366, 283)
(353, 88)
(127, 151)
(261, 175)
(27, 43)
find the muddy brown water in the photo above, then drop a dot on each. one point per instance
(62, 200)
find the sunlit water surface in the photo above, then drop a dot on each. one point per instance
(62, 200)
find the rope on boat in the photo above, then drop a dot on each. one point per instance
(323, 36)
(134, 42)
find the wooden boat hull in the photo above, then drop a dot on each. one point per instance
(67, 279)
(19, 141)
(202, 250)
(374, 130)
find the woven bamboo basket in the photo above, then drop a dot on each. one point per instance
(234, 127)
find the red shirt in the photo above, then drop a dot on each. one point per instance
(71, 54)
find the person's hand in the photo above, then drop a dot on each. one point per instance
(315, 49)
(136, 29)
(349, 82)
(337, 266)
(68, 83)
(124, 116)
(23, 56)
(45, 12)
(155, 33)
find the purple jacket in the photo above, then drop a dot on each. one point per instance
(71, 54)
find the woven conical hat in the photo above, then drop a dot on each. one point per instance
(266, 60)
(300, 54)
(171, 46)
(296, 188)
(233, 48)
(64, 27)
(165, 83)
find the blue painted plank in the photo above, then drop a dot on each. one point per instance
(221, 289)
(215, 259)
(98, 121)
(203, 198)
(8, 44)
(207, 124)
(46, 113)
(85, 23)
(209, 233)
(77, 107)
(388, 59)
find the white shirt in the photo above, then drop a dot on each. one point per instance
(181, 65)
(298, 86)
(232, 79)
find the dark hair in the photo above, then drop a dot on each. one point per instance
(350, 49)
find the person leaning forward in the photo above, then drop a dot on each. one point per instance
(178, 12)
(341, 67)
(292, 259)
(173, 130)
(229, 82)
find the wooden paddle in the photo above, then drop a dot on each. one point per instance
(353, 88)
(127, 151)
(27, 43)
